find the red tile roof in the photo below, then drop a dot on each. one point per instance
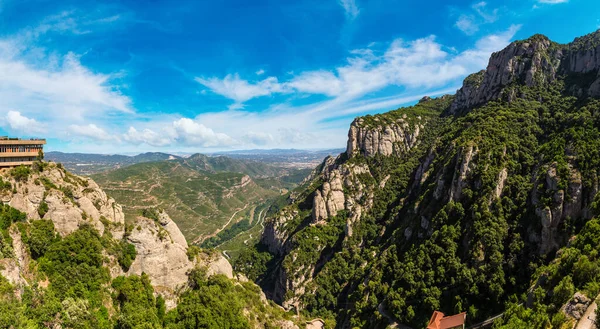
(438, 321)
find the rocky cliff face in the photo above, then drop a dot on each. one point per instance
(342, 186)
(384, 138)
(533, 62)
(480, 183)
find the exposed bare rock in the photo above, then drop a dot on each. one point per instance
(220, 265)
(274, 235)
(158, 254)
(500, 183)
(315, 324)
(576, 307)
(16, 269)
(461, 172)
(385, 138)
(319, 207)
(533, 62)
(87, 203)
(564, 204)
(286, 324)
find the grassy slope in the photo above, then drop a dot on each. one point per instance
(200, 199)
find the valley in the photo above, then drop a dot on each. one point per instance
(204, 195)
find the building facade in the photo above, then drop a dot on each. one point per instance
(15, 152)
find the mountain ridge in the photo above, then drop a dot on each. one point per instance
(470, 185)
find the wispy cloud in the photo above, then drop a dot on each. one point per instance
(92, 132)
(239, 90)
(350, 8)
(478, 15)
(411, 64)
(552, 1)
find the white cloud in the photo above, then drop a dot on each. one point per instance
(553, 1)
(146, 136)
(260, 72)
(193, 133)
(66, 86)
(350, 8)
(258, 138)
(91, 131)
(241, 90)
(23, 124)
(37, 80)
(413, 64)
(318, 82)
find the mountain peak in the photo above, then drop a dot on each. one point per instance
(536, 61)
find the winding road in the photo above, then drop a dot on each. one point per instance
(200, 238)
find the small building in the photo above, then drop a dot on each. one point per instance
(15, 151)
(440, 321)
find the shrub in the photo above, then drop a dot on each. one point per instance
(20, 173)
(126, 256)
(43, 208)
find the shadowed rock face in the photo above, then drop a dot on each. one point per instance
(533, 62)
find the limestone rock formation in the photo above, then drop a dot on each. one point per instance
(72, 200)
(563, 204)
(382, 138)
(533, 62)
(160, 253)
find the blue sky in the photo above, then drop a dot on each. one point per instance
(189, 76)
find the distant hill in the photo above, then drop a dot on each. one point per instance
(87, 164)
(202, 194)
(284, 157)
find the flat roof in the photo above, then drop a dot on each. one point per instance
(4, 140)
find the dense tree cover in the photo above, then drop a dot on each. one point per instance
(418, 249)
(70, 286)
(227, 234)
(8, 216)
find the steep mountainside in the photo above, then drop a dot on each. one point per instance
(204, 195)
(68, 260)
(451, 204)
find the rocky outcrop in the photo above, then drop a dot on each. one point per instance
(161, 253)
(384, 138)
(275, 234)
(576, 307)
(564, 203)
(341, 190)
(71, 200)
(536, 61)
(460, 174)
